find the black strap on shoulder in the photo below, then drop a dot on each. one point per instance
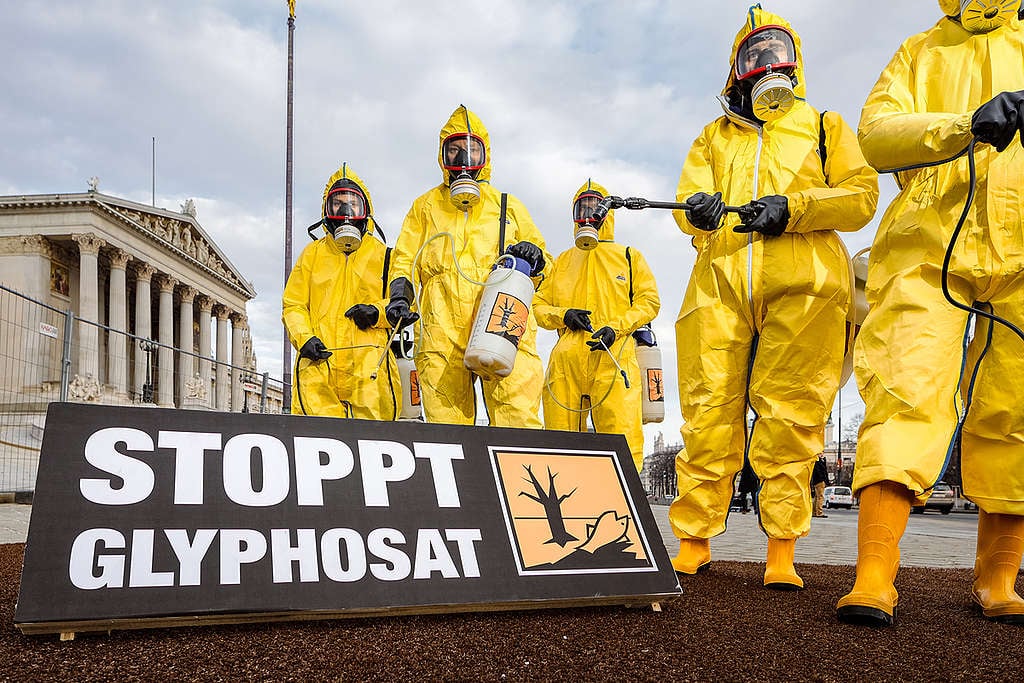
(629, 262)
(501, 223)
(384, 275)
(822, 151)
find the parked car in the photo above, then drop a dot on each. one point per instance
(942, 499)
(837, 497)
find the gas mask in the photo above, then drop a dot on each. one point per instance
(766, 60)
(583, 216)
(345, 215)
(462, 156)
(982, 16)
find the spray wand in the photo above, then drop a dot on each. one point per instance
(637, 203)
(618, 367)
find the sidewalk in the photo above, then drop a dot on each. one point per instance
(930, 540)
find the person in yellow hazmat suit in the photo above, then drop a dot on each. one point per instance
(453, 234)
(761, 329)
(596, 295)
(333, 309)
(925, 378)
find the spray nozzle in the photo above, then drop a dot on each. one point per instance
(605, 205)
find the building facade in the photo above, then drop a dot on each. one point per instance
(159, 313)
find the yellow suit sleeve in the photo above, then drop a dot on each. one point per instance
(892, 134)
(852, 196)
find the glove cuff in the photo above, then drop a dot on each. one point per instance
(401, 289)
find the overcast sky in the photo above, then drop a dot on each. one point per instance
(616, 91)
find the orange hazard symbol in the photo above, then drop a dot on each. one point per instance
(569, 513)
(508, 318)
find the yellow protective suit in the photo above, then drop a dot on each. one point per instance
(763, 317)
(447, 302)
(911, 356)
(325, 283)
(617, 286)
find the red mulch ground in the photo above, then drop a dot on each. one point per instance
(725, 626)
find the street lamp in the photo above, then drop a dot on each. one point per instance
(148, 346)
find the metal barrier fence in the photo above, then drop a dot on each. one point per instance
(48, 354)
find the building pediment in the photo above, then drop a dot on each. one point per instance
(178, 233)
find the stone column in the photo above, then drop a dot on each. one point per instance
(117, 341)
(165, 356)
(223, 388)
(239, 324)
(88, 306)
(186, 361)
(143, 323)
(45, 352)
(205, 348)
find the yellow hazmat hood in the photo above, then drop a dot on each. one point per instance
(463, 120)
(759, 18)
(606, 233)
(345, 172)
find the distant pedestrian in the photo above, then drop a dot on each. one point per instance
(819, 480)
(748, 486)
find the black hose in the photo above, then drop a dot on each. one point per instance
(972, 187)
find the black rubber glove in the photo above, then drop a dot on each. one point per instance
(364, 316)
(529, 252)
(767, 215)
(996, 121)
(397, 312)
(577, 320)
(705, 210)
(606, 335)
(314, 350)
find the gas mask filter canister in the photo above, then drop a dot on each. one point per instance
(464, 191)
(982, 16)
(586, 237)
(772, 96)
(348, 237)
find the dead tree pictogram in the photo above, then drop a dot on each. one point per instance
(552, 503)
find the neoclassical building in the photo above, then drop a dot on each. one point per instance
(120, 267)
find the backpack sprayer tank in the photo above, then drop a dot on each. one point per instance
(412, 408)
(501, 319)
(648, 357)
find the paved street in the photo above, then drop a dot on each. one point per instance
(932, 540)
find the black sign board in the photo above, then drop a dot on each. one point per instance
(149, 517)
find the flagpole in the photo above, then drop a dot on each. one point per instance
(287, 349)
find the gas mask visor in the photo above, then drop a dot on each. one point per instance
(462, 156)
(345, 216)
(767, 57)
(586, 226)
(982, 16)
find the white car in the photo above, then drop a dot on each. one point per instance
(838, 497)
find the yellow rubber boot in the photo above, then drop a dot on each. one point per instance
(694, 555)
(779, 574)
(884, 510)
(1000, 545)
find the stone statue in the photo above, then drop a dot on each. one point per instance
(189, 208)
(195, 388)
(84, 388)
(94, 184)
